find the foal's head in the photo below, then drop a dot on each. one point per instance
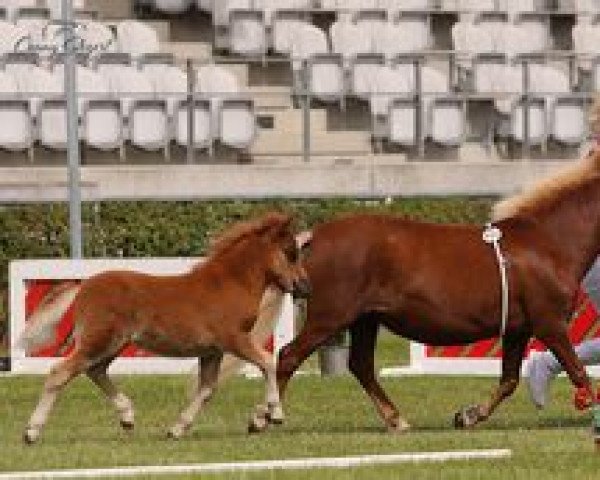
(272, 240)
(284, 267)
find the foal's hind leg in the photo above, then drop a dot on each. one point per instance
(59, 376)
(123, 404)
(208, 378)
(363, 334)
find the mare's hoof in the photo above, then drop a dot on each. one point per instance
(31, 436)
(127, 426)
(467, 417)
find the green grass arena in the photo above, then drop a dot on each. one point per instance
(326, 417)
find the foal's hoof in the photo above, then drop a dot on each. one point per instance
(127, 425)
(275, 415)
(31, 436)
(467, 417)
(258, 425)
(398, 425)
(176, 433)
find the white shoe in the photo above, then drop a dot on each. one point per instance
(539, 373)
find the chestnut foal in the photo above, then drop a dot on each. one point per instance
(204, 313)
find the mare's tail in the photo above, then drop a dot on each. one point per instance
(40, 328)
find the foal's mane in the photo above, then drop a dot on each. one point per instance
(243, 230)
(552, 189)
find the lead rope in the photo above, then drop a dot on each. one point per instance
(492, 236)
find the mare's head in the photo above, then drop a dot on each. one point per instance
(271, 238)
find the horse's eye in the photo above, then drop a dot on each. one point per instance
(292, 254)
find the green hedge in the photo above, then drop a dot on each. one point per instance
(164, 229)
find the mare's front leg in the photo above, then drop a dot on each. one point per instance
(514, 345)
(557, 340)
(363, 334)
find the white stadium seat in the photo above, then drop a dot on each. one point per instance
(568, 120)
(10, 37)
(34, 25)
(102, 125)
(389, 83)
(55, 7)
(237, 123)
(218, 84)
(326, 77)
(12, 6)
(446, 120)
(149, 125)
(98, 36)
(365, 69)
(137, 38)
(127, 84)
(203, 129)
(36, 84)
(222, 9)
(285, 30)
(310, 41)
(402, 122)
(537, 122)
(91, 85)
(172, 6)
(247, 32)
(204, 5)
(343, 34)
(415, 32)
(16, 132)
(169, 83)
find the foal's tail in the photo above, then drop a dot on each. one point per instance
(41, 324)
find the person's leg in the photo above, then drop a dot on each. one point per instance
(543, 367)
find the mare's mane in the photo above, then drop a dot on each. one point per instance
(550, 190)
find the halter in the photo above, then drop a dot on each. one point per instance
(492, 236)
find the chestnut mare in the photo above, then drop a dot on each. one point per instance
(204, 313)
(440, 285)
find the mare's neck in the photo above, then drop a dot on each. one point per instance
(573, 224)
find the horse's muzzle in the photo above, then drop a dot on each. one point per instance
(302, 288)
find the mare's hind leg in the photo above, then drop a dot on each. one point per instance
(208, 376)
(363, 334)
(59, 376)
(122, 403)
(512, 359)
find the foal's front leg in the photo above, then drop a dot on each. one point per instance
(514, 348)
(247, 349)
(208, 376)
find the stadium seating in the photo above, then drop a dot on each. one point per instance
(365, 49)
